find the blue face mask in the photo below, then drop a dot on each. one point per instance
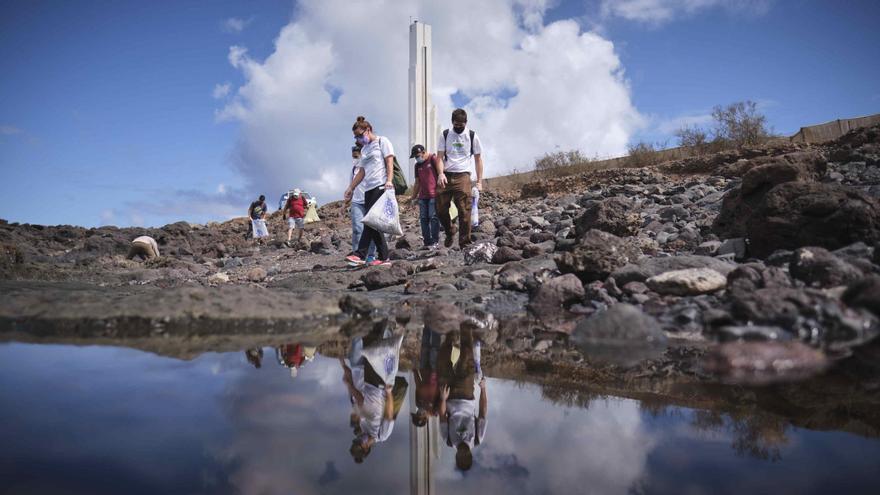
(362, 140)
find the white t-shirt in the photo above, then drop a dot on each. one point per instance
(463, 425)
(371, 413)
(457, 147)
(357, 196)
(373, 162)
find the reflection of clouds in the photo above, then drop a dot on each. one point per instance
(533, 446)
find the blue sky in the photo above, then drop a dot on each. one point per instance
(137, 113)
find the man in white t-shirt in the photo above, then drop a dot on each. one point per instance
(459, 151)
(462, 423)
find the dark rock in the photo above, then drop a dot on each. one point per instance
(532, 250)
(385, 276)
(557, 293)
(758, 363)
(864, 293)
(442, 317)
(400, 254)
(408, 241)
(539, 237)
(752, 276)
(614, 215)
(741, 203)
(650, 267)
(505, 254)
(256, 274)
(799, 214)
(487, 227)
(522, 276)
(356, 305)
(817, 267)
(621, 335)
(596, 255)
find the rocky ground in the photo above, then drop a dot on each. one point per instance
(755, 266)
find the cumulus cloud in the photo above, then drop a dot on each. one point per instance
(9, 130)
(235, 24)
(670, 126)
(221, 90)
(662, 11)
(530, 86)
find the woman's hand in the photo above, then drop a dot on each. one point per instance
(347, 195)
(389, 185)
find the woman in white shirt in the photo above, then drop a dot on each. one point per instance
(376, 170)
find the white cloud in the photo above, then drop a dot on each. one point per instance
(670, 126)
(107, 216)
(221, 90)
(532, 87)
(221, 189)
(235, 24)
(9, 130)
(661, 11)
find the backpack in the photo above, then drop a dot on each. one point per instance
(446, 134)
(399, 180)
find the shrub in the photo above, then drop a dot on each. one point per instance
(693, 138)
(643, 154)
(740, 124)
(555, 164)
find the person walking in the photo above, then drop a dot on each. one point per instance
(294, 212)
(257, 214)
(376, 171)
(458, 152)
(357, 209)
(425, 191)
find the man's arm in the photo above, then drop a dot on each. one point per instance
(352, 390)
(444, 394)
(478, 160)
(484, 399)
(441, 168)
(389, 404)
(415, 193)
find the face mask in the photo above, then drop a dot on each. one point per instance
(420, 160)
(362, 140)
(457, 129)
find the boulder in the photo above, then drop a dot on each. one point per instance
(797, 214)
(650, 267)
(687, 282)
(256, 274)
(505, 254)
(742, 202)
(614, 215)
(817, 267)
(758, 363)
(385, 276)
(864, 293)
(597, 254)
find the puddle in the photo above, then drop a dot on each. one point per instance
(115, 420)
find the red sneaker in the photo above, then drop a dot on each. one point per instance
(354, 259)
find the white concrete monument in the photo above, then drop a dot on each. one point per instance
(423, 127)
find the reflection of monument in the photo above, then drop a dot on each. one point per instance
(423, 128)
(424, 450)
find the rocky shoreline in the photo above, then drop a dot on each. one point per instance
(754, 266)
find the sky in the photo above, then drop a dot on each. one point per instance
(145, 113)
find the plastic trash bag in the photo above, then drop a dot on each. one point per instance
(260, 229)
(481, 252)
(384, 216)
(475, 214)
(384, 357)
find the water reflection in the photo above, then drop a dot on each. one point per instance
(127, 421)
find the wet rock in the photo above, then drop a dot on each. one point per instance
(443, 317)
(621, 335)
(481, 252)
(614, 215)
(533, 250)
(687, 282)
(400, 254)
(385, 276)
(523, 276)
(817, 267)
(408, 241)
(650, 267)
(557, 293)
(505, 254)
(864, 293)
(356, 305)
(760, 363)
(256, 274)
(596, 255)
(479, 275)
(797, 214)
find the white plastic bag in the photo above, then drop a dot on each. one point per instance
(475, 214)
(384, 357)
(260, 229)
(384, 216)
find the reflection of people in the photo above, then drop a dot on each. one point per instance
(372, 399)
(293, 356)
(426, 378)
(461, 423)
(255, 357)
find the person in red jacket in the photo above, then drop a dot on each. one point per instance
(295, 212)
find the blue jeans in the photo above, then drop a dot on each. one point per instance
(430, 222)
(358, 210)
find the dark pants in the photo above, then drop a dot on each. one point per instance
(370, 234)
(429, 221)
(461, 377)
(457, 190)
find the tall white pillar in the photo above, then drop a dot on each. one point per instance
(423, 127)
